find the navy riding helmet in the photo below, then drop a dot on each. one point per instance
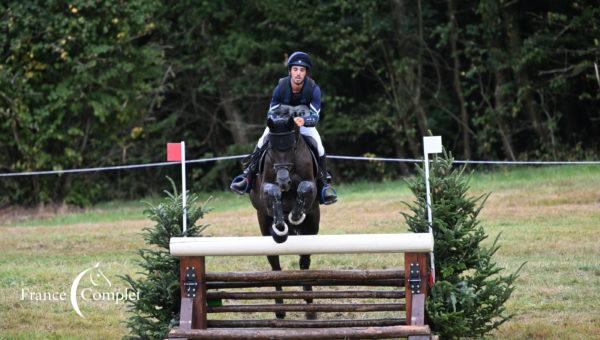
(299, 59)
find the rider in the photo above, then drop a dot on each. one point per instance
(295, 89)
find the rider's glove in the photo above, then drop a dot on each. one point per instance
(311, 119)
(274, 112)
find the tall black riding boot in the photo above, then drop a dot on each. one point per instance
(241, 184)
(327, 193)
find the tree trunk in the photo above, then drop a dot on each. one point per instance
(235, 123)
(411, 139)
(400, 153)
(464, 115)
(419, 109)
(526, 94)
(413, 92)
(501, 104)
(500, 71)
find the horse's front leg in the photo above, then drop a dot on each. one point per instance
(305, 194)
(274, 261)
(304, 265)
(279, 229)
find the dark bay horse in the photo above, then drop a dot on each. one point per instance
(284, 192)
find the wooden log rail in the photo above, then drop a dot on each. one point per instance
(199, 286)
(303, 334)
(310, 307)
(288, 283)
(358, 275)
(348, 294)
(306, 323)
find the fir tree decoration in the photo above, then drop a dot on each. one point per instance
(158, 306)
(467, 299)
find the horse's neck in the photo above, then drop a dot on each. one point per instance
(301, 145)
(303, 151)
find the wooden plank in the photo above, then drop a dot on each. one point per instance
(309, 307)
(199, 306)
(288, 283)
(185, 313)
(418, 309)
(421, 259)
(418, 315)
(306, 275)
(303, 334)
(276, 323)
(342, 294)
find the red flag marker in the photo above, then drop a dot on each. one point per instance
(173, 152)
(176, 153)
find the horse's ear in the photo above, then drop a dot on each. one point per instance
(270, 123)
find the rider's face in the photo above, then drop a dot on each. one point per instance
(298, 73)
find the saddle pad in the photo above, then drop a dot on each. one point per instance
(312, 146)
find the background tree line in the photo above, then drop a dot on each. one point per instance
(110, 82)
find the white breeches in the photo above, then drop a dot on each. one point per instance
(307, 131)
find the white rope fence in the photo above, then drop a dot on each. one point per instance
(352, 158)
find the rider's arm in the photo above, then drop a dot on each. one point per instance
(315, 108)
(274, 101)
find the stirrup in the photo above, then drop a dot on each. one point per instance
(332, 198)
(237, 180)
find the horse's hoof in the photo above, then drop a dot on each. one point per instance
(311, 315)
(280, 239)
(280, 315)
(300, 220)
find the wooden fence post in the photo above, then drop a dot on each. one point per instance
(192, 280)
(416, 271)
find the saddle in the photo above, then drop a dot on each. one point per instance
(312, 146)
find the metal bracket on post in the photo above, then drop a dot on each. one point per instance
(190, 283)
(415, 278)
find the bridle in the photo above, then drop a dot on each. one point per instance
(288, 166)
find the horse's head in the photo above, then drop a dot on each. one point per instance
(288, 157)
(282, 140)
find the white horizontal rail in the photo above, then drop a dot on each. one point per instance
(305, 244)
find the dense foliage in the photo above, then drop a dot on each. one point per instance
(103, 83)
(468, 296)
(158, 285)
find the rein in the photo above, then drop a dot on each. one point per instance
(296, 136)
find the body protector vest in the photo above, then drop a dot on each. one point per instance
(283, 95)
(287, 97)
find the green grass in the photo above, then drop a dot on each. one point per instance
(501, 179)
(123, 211)
(548, 217)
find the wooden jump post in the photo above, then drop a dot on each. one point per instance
(198, 285)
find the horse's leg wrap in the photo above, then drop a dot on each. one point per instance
(279, 229)
(306, 191)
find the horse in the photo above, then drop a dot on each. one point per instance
(285, 188)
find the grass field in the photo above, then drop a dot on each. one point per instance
(549, 217)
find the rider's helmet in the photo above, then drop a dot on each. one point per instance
(299, 59)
